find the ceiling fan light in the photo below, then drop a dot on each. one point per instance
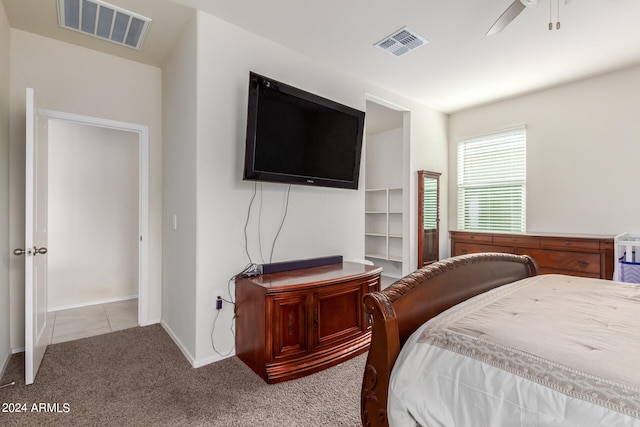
(529, 3)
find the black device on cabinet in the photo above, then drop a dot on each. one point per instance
(297, 137)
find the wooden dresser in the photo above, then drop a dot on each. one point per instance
(588, 256)
(295, 323)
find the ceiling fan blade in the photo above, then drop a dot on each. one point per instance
(507, 16)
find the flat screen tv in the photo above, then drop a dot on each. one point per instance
(296, 137)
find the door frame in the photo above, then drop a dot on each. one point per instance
(143, 194)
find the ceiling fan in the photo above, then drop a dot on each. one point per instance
(514, 10)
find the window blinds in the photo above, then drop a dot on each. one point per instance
(491, 182)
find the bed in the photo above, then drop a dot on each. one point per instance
(443, 351)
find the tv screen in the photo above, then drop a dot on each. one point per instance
(297, 137)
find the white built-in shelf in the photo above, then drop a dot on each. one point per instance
(376, 256)
(383, 224)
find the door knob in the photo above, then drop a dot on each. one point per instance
(36, 251)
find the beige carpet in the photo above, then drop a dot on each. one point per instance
(138, 377)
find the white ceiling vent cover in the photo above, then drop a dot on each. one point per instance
(99, 19)
(402, 41)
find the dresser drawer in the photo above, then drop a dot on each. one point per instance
(471, 237)
(548, 270)
(519, 241)
(570, 244)
(473, 248)
(578, 256)
(568, 261)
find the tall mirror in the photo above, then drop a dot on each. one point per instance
(428, 216)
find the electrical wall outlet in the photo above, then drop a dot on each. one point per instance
(218, 303)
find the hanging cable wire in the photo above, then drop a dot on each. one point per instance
(251, 268)
(246, 224)
(260, 224)
(286, 208)
(213, 328)
(551, 15)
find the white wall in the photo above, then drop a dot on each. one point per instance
(583, 147)
(77, 80)
(92, 215)
(320, 221)
(427, 128)
(179, 92)
(384, 159)
(5, 247)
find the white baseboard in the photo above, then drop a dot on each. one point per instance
(106, 301)
(181, 346)
(192, 360)
(150, 322)
(209, 360)
(5, 363)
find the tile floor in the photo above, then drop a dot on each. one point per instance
(83, 322)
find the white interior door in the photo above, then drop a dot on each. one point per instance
(37, 335)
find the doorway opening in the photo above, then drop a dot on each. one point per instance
(98, 221)
(387, 242)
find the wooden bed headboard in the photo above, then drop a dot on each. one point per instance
(403, 307)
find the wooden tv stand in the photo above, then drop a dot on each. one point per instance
(294, 323)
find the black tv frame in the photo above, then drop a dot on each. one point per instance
(250, 172)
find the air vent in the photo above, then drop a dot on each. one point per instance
(402, 41)
(99, 19)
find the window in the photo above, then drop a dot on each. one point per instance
(491, 182)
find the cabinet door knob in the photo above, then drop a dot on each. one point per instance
(290, 327)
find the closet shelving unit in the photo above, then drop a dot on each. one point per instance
(383, 224)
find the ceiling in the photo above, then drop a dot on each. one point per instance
(459, 68)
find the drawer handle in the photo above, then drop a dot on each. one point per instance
(463, 251)
(290, 328)
(583, 264)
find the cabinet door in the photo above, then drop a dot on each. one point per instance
(337, 314)
(289, 327)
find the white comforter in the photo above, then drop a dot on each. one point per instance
(550, 350)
